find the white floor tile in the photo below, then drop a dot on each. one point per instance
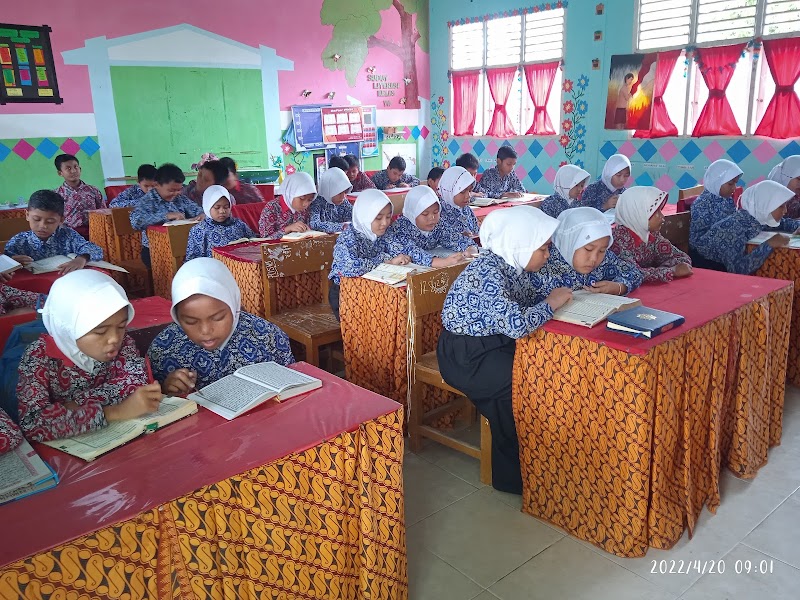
(778, 535)
(430, 578)
(429, 488)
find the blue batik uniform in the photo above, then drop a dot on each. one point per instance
(406, 238)
(355, 254)
(707, 210)
(725, 242)
(381, 180)
(329, 217)
(459, 219)
(494, 186)
(152, 209)
(128, 197)
(557, 272)
(64, 240)
(554, 205)
(208, 234)
(596, 194)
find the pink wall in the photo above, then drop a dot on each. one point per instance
(293, 29)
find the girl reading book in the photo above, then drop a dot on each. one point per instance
(290, 212)
(603, 193)
(716, 201)
(456, 187)
(331, 209)
(567, 189)
(219, 228)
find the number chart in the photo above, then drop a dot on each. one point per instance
(26, 61)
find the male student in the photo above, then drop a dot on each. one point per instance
(501, 181)
(146, 181)
(394, 176)
(246, 193)
(79, 197)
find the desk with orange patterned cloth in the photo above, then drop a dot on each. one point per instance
(12, 213)
(622, 439)
(164, 259)
(101, 232)
(297, 500)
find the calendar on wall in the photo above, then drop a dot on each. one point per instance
(26, 61)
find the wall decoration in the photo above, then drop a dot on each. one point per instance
(353, 148)
(510, 13)
(439, 150)
(598, 36)
(575, 108)
(599, 9)
(320, 166)
(307, 121)
(341, 124)
(595, 64)
(629, 101)
(26, 59)
(370, 119)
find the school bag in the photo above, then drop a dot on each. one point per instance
(21, 337)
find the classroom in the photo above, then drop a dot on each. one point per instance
(400, 299)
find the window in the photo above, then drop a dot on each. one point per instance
(491, 56)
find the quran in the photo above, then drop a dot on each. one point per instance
(394, 275)
(54, 263)
(8, 264)
(588, 308)
(23, 473)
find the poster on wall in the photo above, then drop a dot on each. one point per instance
(631, 80)
(320, 166)
(369, 147)
(26, 59)
(307, 121)
(342, 124)
(407, 151)
(353, 148)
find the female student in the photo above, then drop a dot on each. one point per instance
(716, 201)
(14, 301)
(219, 228)
(211, 336)
(567, 189)
(581, 260)
(291, 212)
(359, 179)
(603, 193)
(10, 435)
(456, 187)
(364, 245)
(725, 242)
(331, 209)
(86, 372)
(637, 237)
(492, 303)
(787, 172)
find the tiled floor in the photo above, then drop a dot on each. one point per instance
(466, 540)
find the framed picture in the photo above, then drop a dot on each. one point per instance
(629, 103)
(26, 61)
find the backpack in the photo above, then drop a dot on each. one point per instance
(21, 337)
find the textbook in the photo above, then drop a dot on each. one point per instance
(245, 240)
(182, 222)
(299, 235)
(23, 473)
(479, 202)
(251, 386)
(8, 264)
(394, 275)
(53, 263)
(89, 446)
(794, 240)
(644, 322)
(589, 309)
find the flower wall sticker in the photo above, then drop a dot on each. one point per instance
(440, 133)
(573, 130)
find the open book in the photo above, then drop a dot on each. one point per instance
(89, 446)
(478, 202)
(528, 198)
(8, 264)
(245, 240)
(299, 235)
(53, 263)
(181, 222)
(23, 473)
(394, 275)
(251, 386)
(589, 309)
(794, 240)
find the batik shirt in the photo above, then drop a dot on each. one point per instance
(276, 216)
(12, 298)
(707, 209)
(726, 242)
(494, 186)
(208, 234)
(489, 298)
(655, 258)
(793, 208)
(554, 205)
(48, 380)
(328, 217)
(63, 241)
(406, 238)
(381, 180)
(10, 435)
(595, 195)
(354, 254)
(362, 183)
(255, 340)
(77, 203)
(152, 209)
(557, 272)
(459, 219)
(247, 193)
(128, 197)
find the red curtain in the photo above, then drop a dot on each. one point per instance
(782, 118)
(540, 81)
(717, 67)
(465, 101)
(500, 82)
(660, 123)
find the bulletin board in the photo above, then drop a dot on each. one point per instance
(26, 61)
(307, 121)
(342, 124)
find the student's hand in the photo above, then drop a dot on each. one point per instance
(175, 216)
(682, 270)
(471, 252)
(144, 400)
(477, 195)
(400, 259)
(180, 382)
(610, 203)
(512, 195)
(559, 297)
(390, 186)
(22, 259)
(76, 264)
(607, 287)
(298, 227)
(453, 259)
(403, 184)
(777, 241)
(5, 278)
(200, 217)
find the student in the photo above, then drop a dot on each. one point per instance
(219, 228)
(290, 212)
(359, 180)
(15, 302)
(364, 245)
(637, 237)
(10, 435)
(79, 197)
(163, 203)
(501, 181)
(787, 172)
(394, 176)
(211, 172)
(338, 162)
(211, 336)
(581, 260)
(456, 187)
(49, 237)
(725, 242)
(85, 372)
(603, 193)
(331, 210)
(420, 230)
(482, 323)
(146, 181)
(567, 189)
(470, 163)
(434, 175)
(713, 205)
(246, 193)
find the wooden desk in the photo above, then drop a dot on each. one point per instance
(396, 196)
(167, 252)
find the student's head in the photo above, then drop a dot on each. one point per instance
(146, 176)
(421, 207)
(570, 181)
(233, 175)
(766, 202)
(86, 314)
(298, 191)
(721, 177)
(469, 162)
(352, 166)
(169, 181)
(372, 214)
(787, 172)
(506, 160)
(217, 203)
(583, 237)
(212, 172)
(45, 213)
(69, 168)
(206, 302)
(338, 162)
(639, 209)
(434, 175)
(616, 172)
(334, 186)
(520, 236)
(455, 186)
(396, 168)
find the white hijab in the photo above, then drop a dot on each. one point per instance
(578, 227)
(567, 178)
(417, 201)
(764, 197)
(515, 233)
(296, 184)
(615, 164)
(786, 170)
(454, 181)
(78, 302)
(370, 202)
(333, 182)
(719, 173)
(212, 195)
(209, 277)
(635, 207)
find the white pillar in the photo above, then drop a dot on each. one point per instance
(271, 63)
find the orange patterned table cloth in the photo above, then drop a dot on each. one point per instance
(12, 213)
(622, 440)
(164, 259)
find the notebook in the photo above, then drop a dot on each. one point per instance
(588, 309)
(394, 275)
(794, 240)
(53, 263)
(23, 473)
(644, 322)
(8, 264)
(478, 202)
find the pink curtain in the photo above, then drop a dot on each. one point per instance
(660, 123)
(500, 82)
(718, 65)
(782, 118)
(540, 81)
(465, 101)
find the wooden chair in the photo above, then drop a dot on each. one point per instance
(121, 218)
(426, 294)
(11, 227)
(687, 196)
(676, 229)
(178, 241)
(313, 325)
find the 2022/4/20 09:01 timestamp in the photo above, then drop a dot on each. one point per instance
(711, 567)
